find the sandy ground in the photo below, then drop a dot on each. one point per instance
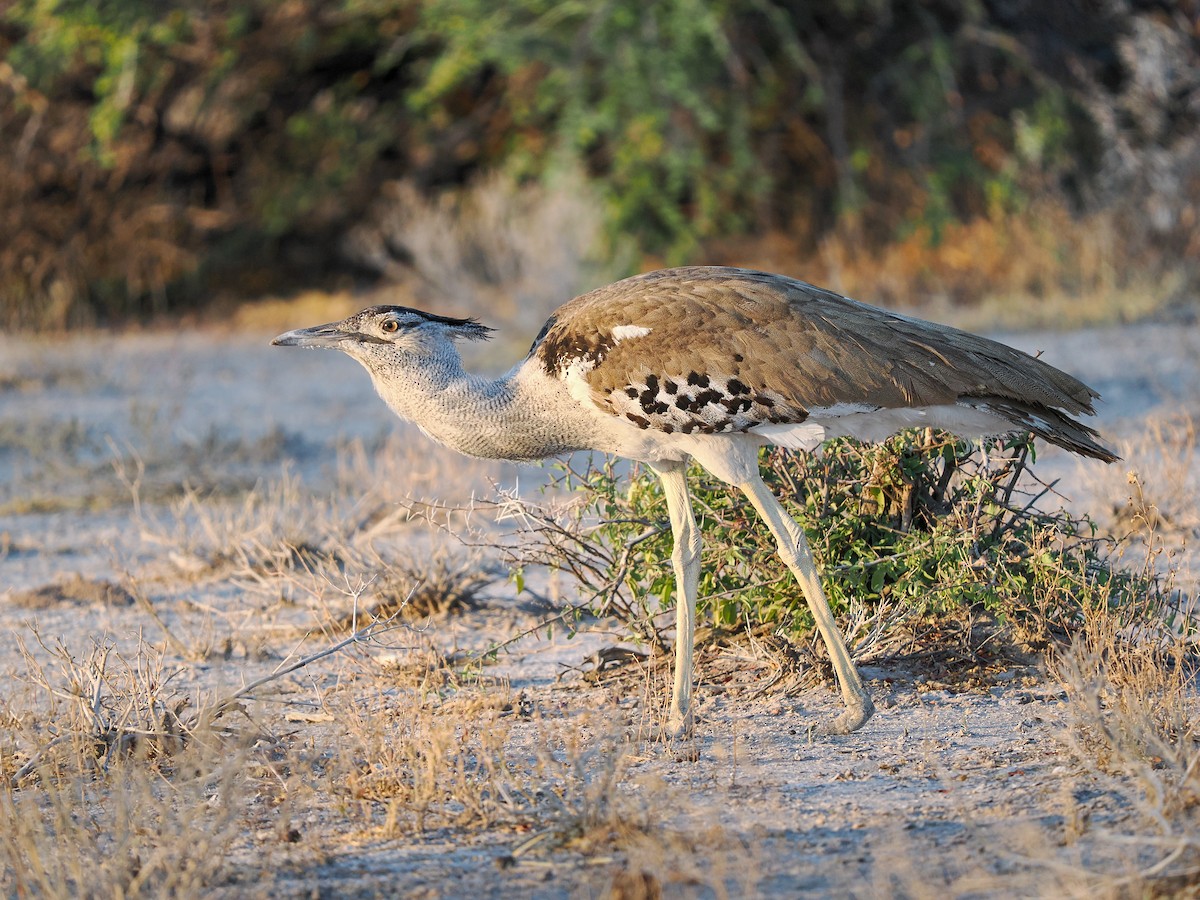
(941, 792)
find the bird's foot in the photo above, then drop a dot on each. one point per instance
(675, 737)
(852, 718)
(677, 728)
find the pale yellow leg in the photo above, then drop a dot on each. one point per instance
(795, 552)
(685, 558)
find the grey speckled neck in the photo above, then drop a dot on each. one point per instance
(520, 416)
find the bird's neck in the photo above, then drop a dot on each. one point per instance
(500, 418)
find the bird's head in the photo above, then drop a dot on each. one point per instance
(379, 331)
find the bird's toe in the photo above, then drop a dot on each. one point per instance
(852, 718)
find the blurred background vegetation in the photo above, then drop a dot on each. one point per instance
(159, 157)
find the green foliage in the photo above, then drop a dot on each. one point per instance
(205, 137)
(122, 52)
(920, 522)
(641, 91)
(118, 42)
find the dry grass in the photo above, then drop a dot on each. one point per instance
(272, 315)
(1152, 496)
(1038, 267)
(392, 740)
(1132, 677)
(132, 834)
(130, 788)
(503, 250)
(117, 780)
(1125, 808)
(130, 772)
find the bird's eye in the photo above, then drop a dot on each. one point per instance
(389, 326)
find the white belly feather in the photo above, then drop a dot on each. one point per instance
(866, 424)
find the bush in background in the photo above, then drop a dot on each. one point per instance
(156, 154)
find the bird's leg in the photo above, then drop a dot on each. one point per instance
(685, 558)
(795, 552)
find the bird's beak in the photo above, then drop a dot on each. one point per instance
(326, 336)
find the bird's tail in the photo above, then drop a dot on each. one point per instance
(1050, 425)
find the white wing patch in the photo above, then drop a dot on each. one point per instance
(625, 332)
(574, 377)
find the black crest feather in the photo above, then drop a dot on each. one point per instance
(465, 329)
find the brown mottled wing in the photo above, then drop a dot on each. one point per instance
(788, 343)
(813, 346)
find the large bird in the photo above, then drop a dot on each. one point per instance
(710, 364)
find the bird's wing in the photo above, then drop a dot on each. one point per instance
(798, 345)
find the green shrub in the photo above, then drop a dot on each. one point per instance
(921, 522)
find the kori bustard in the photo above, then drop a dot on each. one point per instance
(710, 364)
